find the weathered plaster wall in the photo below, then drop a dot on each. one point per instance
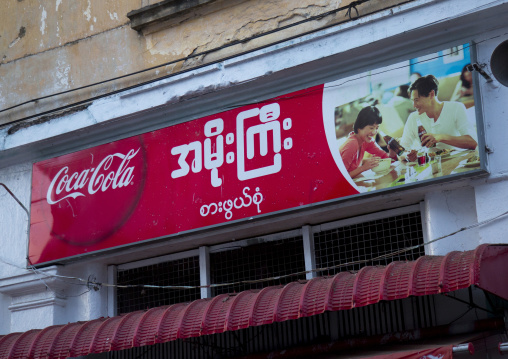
(13, 218)
(50, 46)
(13, 234)
(44, 25)
(492, 196)
(446, 211)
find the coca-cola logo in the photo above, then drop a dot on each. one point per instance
(90, 196)
(92, 180)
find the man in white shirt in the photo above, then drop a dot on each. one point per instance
(445, 122)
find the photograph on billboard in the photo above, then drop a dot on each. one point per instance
(409, 123)
(406, 123)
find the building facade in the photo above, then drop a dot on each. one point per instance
(78, 77)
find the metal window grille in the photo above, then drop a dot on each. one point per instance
(255, 262)
(183, 271)
(351, 245)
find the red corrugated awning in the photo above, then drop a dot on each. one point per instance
(427, 275)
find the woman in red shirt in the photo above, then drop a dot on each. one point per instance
(361, 140)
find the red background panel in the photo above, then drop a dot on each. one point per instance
(184, 177)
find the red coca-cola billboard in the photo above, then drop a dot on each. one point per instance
(263, 158)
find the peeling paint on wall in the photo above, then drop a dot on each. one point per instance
(62, 73)
(2, 97)
(21, 34)
(152, 47)
(44, 119)
(58, 33)
(88, 11)
(43, 21)
(14, 42)
(80, 36)
(113, 16)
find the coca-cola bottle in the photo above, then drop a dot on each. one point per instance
(393, 144)
(421, 130)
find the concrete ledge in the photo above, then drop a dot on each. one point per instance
(49, 302)
(162, 12)
(33, 282)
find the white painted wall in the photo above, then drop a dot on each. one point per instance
(4, 314)
(492, 194)
(26, 302)
(445, 212)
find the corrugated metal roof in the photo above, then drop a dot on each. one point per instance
(425, 276)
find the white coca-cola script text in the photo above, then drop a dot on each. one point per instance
(92, 180)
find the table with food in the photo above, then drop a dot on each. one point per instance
(431, 164)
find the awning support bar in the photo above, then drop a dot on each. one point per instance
(463, 348)
(471, 303)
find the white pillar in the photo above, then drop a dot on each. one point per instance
(204, 271)
(112, 272)
(445, 212)
(308, 251)
(491, 202)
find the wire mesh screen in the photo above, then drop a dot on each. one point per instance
(255, 262)
(183, 271)
(367, 241)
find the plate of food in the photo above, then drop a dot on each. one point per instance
(383, 166)
(445, 152)
(473, 161)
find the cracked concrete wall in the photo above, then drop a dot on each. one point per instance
(53, 23)
(50, 46)
(448, 211)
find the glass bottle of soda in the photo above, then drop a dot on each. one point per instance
(421, 130)
(393, 143)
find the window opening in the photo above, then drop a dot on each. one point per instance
(257, 261)
(368, 240)
(271, 258)
(184, 271)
